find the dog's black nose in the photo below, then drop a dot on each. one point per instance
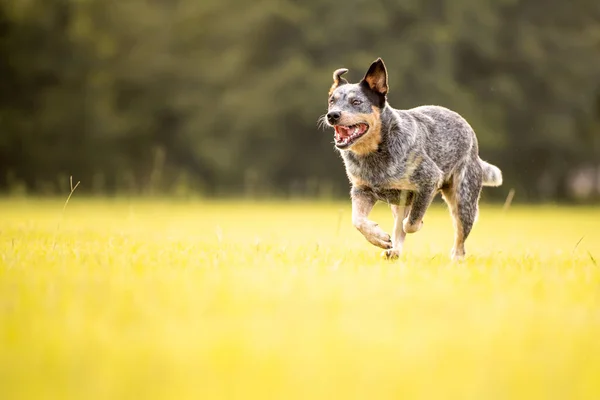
(333, 116)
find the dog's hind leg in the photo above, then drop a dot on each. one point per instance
(362, 204)
(462, 196)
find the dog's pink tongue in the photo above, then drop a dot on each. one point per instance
(342, 131)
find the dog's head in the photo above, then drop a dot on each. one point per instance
(354, 109)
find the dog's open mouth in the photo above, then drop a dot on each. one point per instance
(346, 135)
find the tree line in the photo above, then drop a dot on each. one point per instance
(222, 97)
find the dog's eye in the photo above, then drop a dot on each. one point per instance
(331, 101)
(356, 102)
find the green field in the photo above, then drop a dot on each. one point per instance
(203, 300)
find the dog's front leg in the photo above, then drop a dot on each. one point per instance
(422, 199)
(427, 178)
(362, 204)
(399, 213)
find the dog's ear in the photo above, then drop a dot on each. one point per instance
(337, 79)
(376, 77)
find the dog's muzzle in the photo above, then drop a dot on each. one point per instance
(333, 117)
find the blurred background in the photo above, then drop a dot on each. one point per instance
(221, 97)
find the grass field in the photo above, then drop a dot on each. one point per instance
(200, 300)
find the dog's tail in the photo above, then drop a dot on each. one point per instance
(492, 176)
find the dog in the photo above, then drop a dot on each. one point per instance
(405, 158)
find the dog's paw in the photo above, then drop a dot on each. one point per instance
(391, 254)
(457, 254)
(411, 228)
(379, 238)
(382, 240)
(374, 234)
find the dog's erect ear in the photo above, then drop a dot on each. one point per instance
(337, 79)
(376, 77)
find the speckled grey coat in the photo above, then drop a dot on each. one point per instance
(405, 157)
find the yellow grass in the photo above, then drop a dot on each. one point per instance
(198, 300)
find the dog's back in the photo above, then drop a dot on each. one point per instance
(441, 133)
(450, 141)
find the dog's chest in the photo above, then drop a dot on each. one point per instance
(392, 196)
(377, 173)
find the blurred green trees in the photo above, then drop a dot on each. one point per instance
(223, 96)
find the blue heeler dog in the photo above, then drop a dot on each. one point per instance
(405, 157)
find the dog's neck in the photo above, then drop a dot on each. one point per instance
(389, 120)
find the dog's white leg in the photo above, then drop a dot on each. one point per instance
(362, 204)
(398, 236)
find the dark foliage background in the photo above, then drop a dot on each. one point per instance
(222, 96)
